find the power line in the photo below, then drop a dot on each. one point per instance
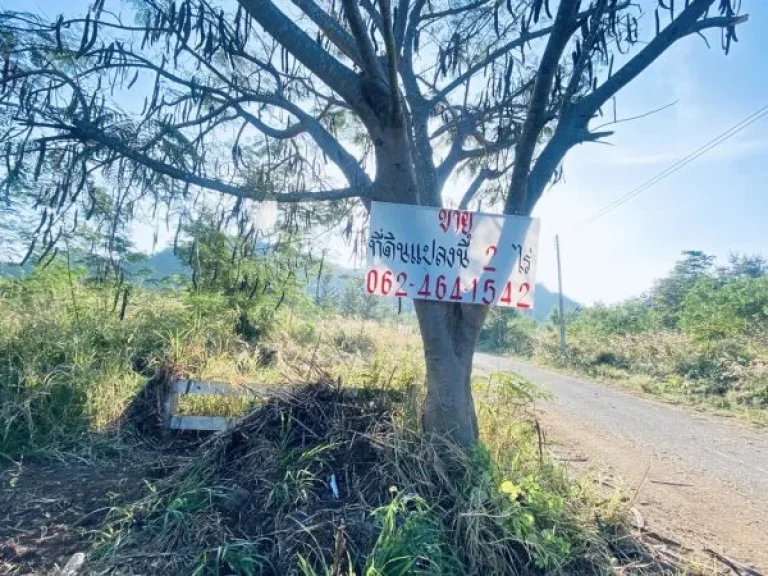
(715, 142)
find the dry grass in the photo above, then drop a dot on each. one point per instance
(325, 479)
(258, 498)
(729, 375)
(71, 371)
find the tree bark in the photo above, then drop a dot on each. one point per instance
(449, 332)
(395, 176)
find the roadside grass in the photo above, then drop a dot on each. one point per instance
(69, 366)
(728, 375)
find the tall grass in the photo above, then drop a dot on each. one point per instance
(726, 373)
(69, 365)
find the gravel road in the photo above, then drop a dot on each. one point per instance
(708, 480)
(705, 443)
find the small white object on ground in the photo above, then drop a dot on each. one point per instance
(334, 486)
(74, 565)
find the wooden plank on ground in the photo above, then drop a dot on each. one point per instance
(184, 386)
(171, 405)
(185, 422)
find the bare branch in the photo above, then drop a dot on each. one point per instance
(637, 116)
(331, 28)
(562, 29)
(335, 75)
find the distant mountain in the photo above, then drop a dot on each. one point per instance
(546, 301)
(159, 265)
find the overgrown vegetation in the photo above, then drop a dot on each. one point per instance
(333, 480)
(258, 498)
(701, 335)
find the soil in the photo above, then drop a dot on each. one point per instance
(52, 509)
(698, 512)
(49, 508)
(697, 483)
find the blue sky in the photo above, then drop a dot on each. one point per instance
(717, 204)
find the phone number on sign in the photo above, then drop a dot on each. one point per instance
(451, 289)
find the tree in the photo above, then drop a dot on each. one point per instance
(302, 101)
(355, 301)
(743, 266)
(668, 293)
(718, 308)
(251, 275)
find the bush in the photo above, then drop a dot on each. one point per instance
(506, 331)
(716, 309)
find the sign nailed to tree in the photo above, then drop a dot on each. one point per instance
(451, 255)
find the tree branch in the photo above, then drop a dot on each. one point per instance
(373, 14)
(400, 23)
(505, 49)
(685, 24)
(566, 137)
(330, 71)
(482, 177)
(455, 11)
(562, 29)
(572, 128)
(346, 162)
(332, 29)
(492, 57)
(85, 132)
(580, 65)
(371, 65)
(392, 60)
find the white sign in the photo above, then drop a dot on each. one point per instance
(451, 255)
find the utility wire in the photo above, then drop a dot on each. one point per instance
(714, 143)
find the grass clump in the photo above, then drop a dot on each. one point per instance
(328, 479)
(70, 365)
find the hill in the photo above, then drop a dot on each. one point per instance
(546, 302)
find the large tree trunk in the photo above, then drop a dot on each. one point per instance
(449, 332)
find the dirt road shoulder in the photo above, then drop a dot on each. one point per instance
(695, 479)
